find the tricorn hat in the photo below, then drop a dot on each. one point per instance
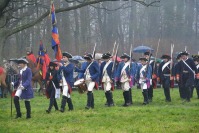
(195, 57)
(125, 55)
(184, 53)
(106, 56)
(68, 55)
(22, 61)
(88, 56)
(179, 55)
(165, 56)
(143, 58)
(147, 53)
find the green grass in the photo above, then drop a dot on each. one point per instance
(157, 117)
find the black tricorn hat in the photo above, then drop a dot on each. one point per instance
(68, 55)
(22, 61)
(125, 55)
(195, 57)
(147, 53)
(184, 53)
(179, 55)
(106, 56)
(143, 58)
(165, 56)
(88, 56)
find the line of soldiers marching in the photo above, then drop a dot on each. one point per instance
(146, 73)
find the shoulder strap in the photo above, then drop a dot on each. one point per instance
(188, 66)
(165, 65)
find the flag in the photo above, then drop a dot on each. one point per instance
(41, 60)
(55, 36)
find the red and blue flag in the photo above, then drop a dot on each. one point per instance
(55, 36)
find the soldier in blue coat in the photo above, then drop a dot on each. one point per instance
(143, 76)
(23, 88)
(196, 61)
(124, 76)
(91, 76)
(166, 73)
(153, 78)
(176, 68)
(186, 73)
(65, 76)
(106, 78)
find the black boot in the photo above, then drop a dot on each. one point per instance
(63, 103)
(17, 106)
(111, 97)
(55, 105)
(110, 100)
(106, 104)
(130, 96)
(145, 95)
(70, 105)
(126, 98)
(89, 99)
(28, 109)
(50, 105)
(197, 90)
(92, 101)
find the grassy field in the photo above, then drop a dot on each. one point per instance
(157, 117)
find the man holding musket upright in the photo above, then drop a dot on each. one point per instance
(143, 76)
(23, 88)
(106, 76)
(153, 78)
(188, 72)
(65, 76)
(124, 76)
(166, 74)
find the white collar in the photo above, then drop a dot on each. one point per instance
(23, 69)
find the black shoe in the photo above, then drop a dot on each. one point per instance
(126, 104)
(112, 104)
(87, 107)
(62, 110)
(48, 111)
(28, 117)
(150, 100)
(145, 103)
(18, 116)
(167, 100)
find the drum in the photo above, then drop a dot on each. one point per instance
(81, 85)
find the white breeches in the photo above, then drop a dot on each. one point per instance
(125, 86)
(90, 85)
(107, 86)
(65, 91)
(18, 94)
(143, 86)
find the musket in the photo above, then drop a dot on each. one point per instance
(114, 62)
(11, 101)
(148, 63)
(171, 64)
(172, 47)
(156, 54)
(113, 48)
(130, 58)
(94, 51)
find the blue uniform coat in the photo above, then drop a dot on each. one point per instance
(26, 79)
